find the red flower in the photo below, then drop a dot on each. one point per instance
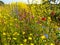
(44, 18)
(52, 13)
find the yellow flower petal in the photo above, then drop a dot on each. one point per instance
(30, 38)
(52, 44)
(31, 44)
(4, 33)
(43, 37)
(21, 44)
(15, 38)
(23, 32)
(30, 33)
(25, 40)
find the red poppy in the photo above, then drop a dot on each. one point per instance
(44, 18)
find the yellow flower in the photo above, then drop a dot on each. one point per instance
(21, 44)
(15, 38)
(49, 18)
(15, 19)
(22, 6)
(46, 44)
(30, 38)
(30, 33)
(4, 33)
(52, 44)
(23, 32)
(31, 44)
(25, 40)
(43, 37)
(16, 33)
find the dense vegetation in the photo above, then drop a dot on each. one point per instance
(35, 24)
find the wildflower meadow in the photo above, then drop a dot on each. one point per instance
(29, 24)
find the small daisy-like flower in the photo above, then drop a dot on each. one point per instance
(52, 44)
(15, 38)
(31, 34)
(21, 44)
(15, 19)
(25, 40)
(49, 18)
(46, 44)
(4, 33)
(32, 44)
(23, 32)
(30, 38)
(43, 37)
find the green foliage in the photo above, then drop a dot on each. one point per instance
(28, 24)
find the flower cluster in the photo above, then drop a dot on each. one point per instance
(28, 25)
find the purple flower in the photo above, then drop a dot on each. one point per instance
(46, 35)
